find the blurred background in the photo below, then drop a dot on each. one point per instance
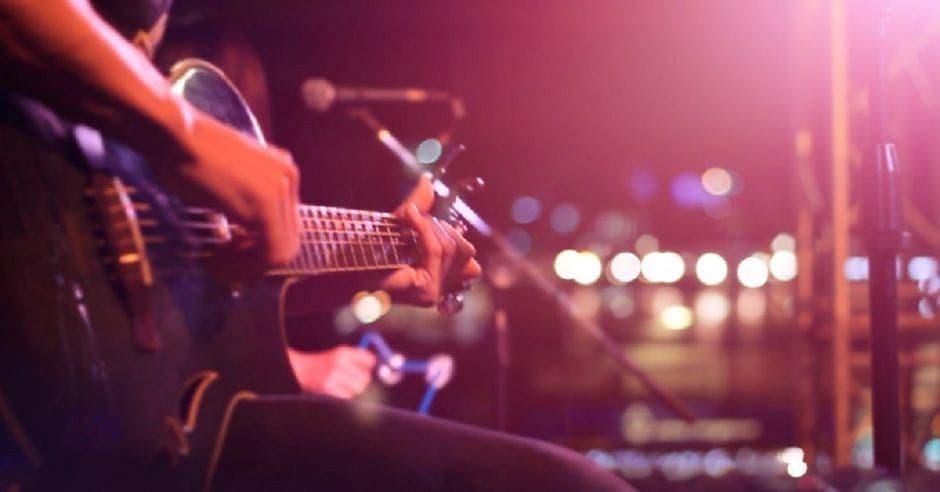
(690, 173)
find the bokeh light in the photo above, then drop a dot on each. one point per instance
(646, 244)
(711, 269)
(783, 265)
(429, 151)
(613, 226)
(589, 268)
(525, 210)
(921, 267)
(783, 242)
(753, 272)
(931, 455)
(643, 185)
(676, 317)
(520, 240)
(856, 268)
(565, 218)
(624, 267)
(618, 302)
(717, 181)
(711, 308)
(566, 264)
(662, 267)
(751, 307)
(687, 191)
(369, 307)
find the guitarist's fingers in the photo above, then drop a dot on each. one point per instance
(427, 277)
(471, 270)
(281, 224)
(463, 252)
(422, 196)
(448, 249)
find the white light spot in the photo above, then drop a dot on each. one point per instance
(566, 264)
(624, 267)
(711, 269)
(796, 469)
(752, 272)
(856, 268)
(717, 181)
(662, 267)
(367, 308)
(922, 267)
(589, 268)
(783, 265)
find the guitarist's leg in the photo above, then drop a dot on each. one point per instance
(311, 443)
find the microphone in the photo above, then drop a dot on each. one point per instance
(320, 95)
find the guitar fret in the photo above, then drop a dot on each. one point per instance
(336, 239)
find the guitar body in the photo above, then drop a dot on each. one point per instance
(109, 382)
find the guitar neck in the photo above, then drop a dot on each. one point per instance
(345, 240)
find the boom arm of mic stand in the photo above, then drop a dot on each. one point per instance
(546, 285)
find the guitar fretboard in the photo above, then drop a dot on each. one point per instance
(341, 240)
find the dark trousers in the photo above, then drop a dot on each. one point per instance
(310, 443)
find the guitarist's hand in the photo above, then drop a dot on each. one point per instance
(343, 372)
(256, 185)
(447, 261)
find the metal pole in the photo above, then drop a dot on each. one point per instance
(885, 240)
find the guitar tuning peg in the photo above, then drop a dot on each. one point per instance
(448, 158)
(470, 185)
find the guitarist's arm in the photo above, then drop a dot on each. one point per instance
(62, 54)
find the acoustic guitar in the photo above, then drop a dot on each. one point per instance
(133, 350)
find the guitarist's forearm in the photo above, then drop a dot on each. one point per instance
(61, 53)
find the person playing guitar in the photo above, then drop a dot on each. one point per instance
(65, 377)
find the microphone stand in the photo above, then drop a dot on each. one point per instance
(528, 268)
(885, 239)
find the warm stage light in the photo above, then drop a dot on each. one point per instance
(662, 267)
(711, 269)
(589, 268)
(624, 267)
(717, 181)
(566, 264)
(367, 308)
(783, 265)
(676, 318)
(752, 272)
